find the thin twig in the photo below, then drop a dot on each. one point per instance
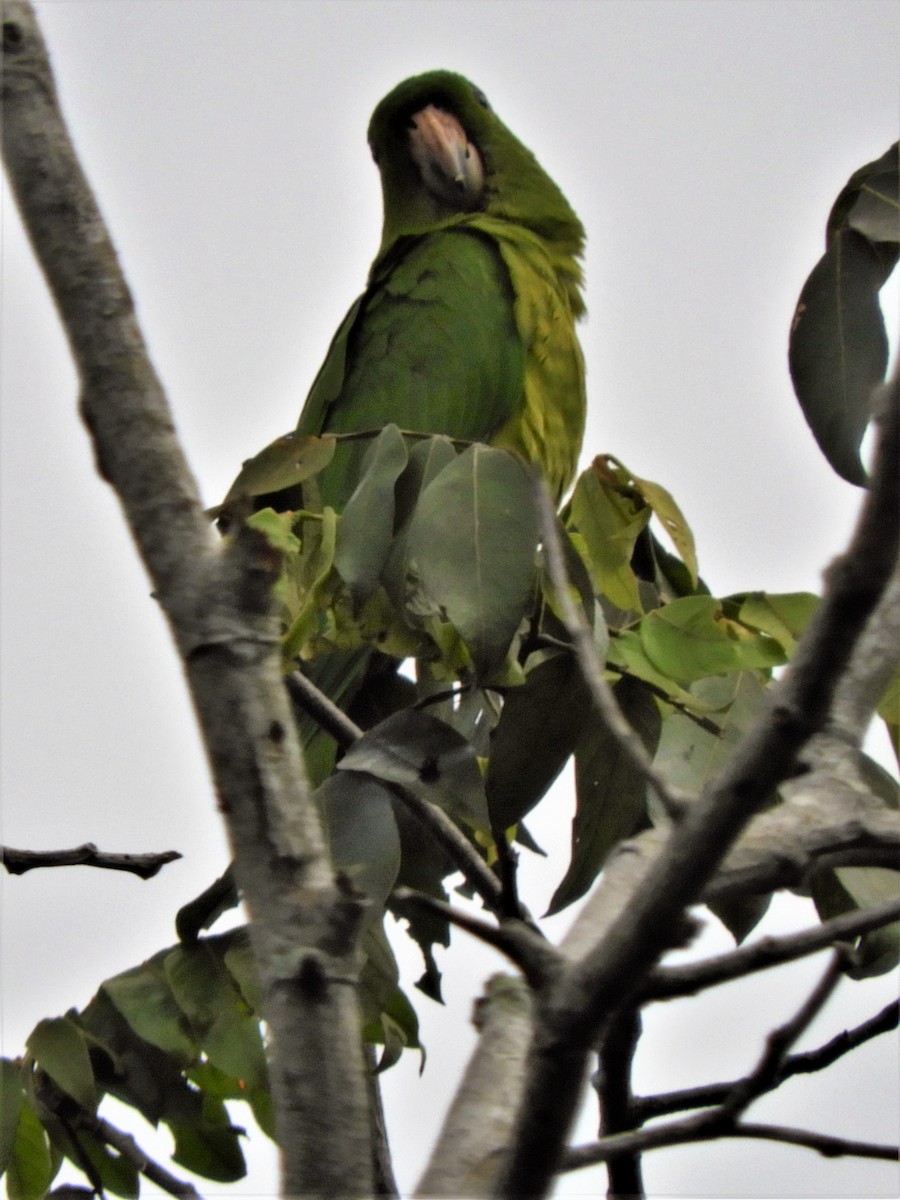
(679, 1133)
(520, 942)
(17, 862)
(649, 1107)
(323, 710)
(591, 668)
(767, 1073)
(667, 982)
(826, 1144)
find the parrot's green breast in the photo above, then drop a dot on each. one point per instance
(467, 332)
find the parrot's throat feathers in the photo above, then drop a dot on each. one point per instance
(448, 163)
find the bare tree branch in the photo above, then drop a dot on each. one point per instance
(468, 1154)
(667, 982)
(680, 1133)
(17, 862)
(767, 1072)
(724, 1120)
(807, 1062)
(217, 598)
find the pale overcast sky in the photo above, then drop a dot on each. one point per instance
(702, 143)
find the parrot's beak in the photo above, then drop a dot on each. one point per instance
(450, 166)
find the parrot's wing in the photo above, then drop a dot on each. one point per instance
(432, 346)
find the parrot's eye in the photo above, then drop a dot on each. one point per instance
(481, 98)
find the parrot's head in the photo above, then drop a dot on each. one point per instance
(442, 151)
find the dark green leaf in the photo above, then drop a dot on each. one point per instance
(363, 841)
(611, 792)
(538, 730)
(144, 998)
(59, 1048)
(471, 548)
(282, 464)
(848, 888)
(426, 460)
(839, 348)
(11, 1100)
(869, 201)
(881, 782)
(366, 527)
(213, 1150)
(131, 1069)
(207, 994)
(428, 757)
(741, 914)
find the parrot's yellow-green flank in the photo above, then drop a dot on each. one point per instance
(467, 325)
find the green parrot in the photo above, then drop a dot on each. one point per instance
(467, 325)
(466, 328)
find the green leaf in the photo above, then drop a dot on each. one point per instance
(869, 201)
(213, 1149)
(627, 654)
(539, 727)
(839, 347)
(144, 998)
(688, 755)
(131, 1069)
(848, 888)
(610, 790)
(426, 461)
(277, 529)
(59, 1048)
(428, 757)
(366, 528)
(11, 1099)
(282, 464)
(363, 841)
(388, 1017)
(691, 638)
(207, 994)
(672, 519)
(471, 548)
(31, 1170)
(607, 515)
(782, 617)
(304, 588)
